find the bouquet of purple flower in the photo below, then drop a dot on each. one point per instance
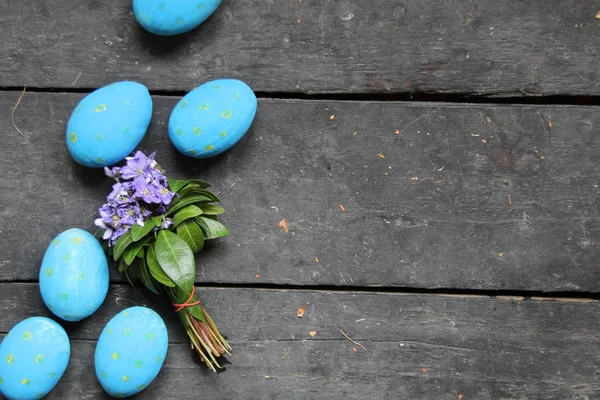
(152, 227)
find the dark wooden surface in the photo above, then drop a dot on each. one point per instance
(519, 212)
(486, 47)
(418, 346)
(458, 242)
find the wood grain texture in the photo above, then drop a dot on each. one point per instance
(488, 47)
(418, 346)
(465, 196)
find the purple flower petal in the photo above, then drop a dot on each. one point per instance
(167, 222)
(137, 165)
(146, 191)
(107, 234)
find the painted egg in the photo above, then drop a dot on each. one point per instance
(131, 351)
(109, 123)
(171, 17)
(33, 357)
(212, 118)
(74, 275)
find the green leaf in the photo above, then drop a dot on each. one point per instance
(193, 189)
(200, 183)
(140, 254)
(123, 267)
(133, 272)
(187, 201)
(128, 278)
(138, 232)
(122, 244)
(212, 229)
(180, 297)
(157, 220)
(187, 191)
(187, 212)
(195, 311)
(132, 250)
(209, 194)
(155, 269)
(145, 278)
(192, 234)
(176, 185)
(176, 259)
(211, 209)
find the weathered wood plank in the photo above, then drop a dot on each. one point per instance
(488, 47)
(467, 196)
(418, 346)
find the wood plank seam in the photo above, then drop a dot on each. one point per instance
(584, 297)
(414, 97)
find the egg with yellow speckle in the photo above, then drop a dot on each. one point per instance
(108, 124)
(131, 351)
(33, 357)
(172, 17)
(212, 118)
(74, 275)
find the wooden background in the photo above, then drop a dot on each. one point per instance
(437, 164)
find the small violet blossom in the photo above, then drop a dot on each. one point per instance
(167, 222)
(141, 192)
(138, 165)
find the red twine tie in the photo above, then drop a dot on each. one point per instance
(187, 303)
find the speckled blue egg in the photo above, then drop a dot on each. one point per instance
(74, 275)
(171, 17)
(212, 118)
(109, 123)
(33, 357)
(131, 351)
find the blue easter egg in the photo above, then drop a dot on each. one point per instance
(33, 357)
(212, 118)
(109, 123)
(171, 17)
(131, 351)
(74, 275)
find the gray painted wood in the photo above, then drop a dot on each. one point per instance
(443, 209)
(418, 346)
(488, 47)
